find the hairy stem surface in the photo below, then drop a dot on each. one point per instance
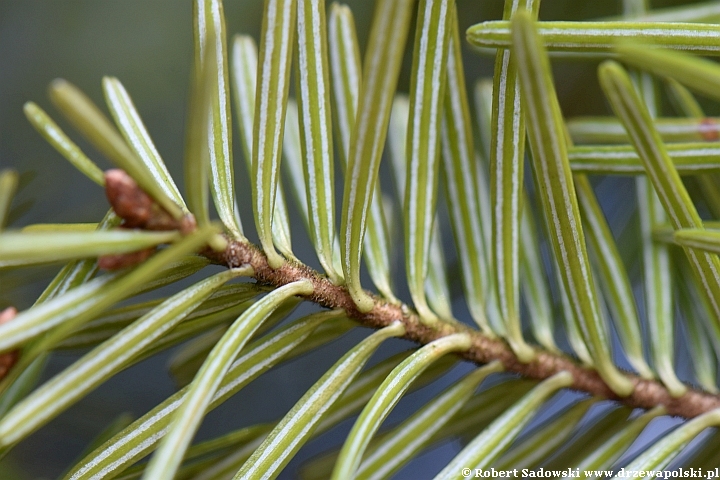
(647, 393)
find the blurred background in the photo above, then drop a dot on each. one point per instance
(147, 44)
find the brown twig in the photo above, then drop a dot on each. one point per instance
(647, 393)
(139, 210)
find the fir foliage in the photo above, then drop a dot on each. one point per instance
(547, 296)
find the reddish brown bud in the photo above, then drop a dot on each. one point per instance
(8, 359)
(122, 260)
(709, 129)
(161, 220)
(187, 224)
(137, 209)
(7, 315)
(128, 200)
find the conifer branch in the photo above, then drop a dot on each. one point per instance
(485, 349)
(647, 393)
